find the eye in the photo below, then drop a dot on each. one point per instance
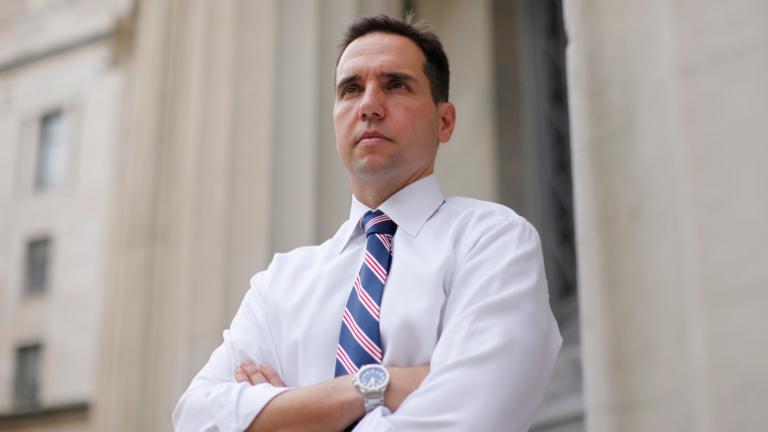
(350, 89)
(397, 84)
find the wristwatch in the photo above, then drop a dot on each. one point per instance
(372, 381)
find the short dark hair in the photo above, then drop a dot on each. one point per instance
(435, 68)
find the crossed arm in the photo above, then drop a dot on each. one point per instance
(488, 370)
(329, 406)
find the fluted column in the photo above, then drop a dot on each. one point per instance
(668, 106)
(191, 213)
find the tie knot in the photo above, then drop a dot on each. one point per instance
(376, 222)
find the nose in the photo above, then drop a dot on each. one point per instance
(372, 104)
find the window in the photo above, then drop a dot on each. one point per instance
(52, 151)
(27, 382)
(38, 261)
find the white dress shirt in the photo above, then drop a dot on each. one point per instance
(466, 294)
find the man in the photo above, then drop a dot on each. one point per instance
(420, 313)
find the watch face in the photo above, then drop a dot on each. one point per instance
(373, 377)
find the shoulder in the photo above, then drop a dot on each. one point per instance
(481, 215)
(305, 257)
(471, 221)
(464, 205)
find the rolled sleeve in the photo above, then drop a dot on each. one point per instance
(235, 405)
(214, 401)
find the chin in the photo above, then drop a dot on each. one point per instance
(373, 169)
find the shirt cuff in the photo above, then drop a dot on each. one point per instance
(235, 405)
(375, 421)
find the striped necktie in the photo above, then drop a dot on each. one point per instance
(360, 341)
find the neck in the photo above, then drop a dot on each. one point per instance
(374, 192)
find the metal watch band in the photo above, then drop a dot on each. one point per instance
(373, 400)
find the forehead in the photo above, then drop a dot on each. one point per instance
(381, 52)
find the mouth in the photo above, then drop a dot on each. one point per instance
(371, 137)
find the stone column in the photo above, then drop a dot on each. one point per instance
(669, 104)
(191, 212)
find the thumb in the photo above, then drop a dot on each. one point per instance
(271, 375)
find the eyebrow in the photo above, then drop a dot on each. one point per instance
(346, 81)
(391, 75)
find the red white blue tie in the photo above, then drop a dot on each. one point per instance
(360, 341)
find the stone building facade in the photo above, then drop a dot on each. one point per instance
(61, 88)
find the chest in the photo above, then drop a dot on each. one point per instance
(306, 305)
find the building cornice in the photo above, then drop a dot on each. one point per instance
(26, 58)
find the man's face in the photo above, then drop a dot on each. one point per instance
(387, 125)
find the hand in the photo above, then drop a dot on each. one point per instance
(250, 373)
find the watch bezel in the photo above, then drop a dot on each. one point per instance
(377, 388)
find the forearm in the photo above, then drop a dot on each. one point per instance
(329, 406)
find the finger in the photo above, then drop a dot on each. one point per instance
(251, 369)
(258, 378)
(271, 375)
(241, 376)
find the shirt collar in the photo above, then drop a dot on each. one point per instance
(409, 208)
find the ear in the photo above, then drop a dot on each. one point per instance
(447, 121)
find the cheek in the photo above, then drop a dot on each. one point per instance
(343, 123)
(344, 129)
(421, 123)
(409, 119)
